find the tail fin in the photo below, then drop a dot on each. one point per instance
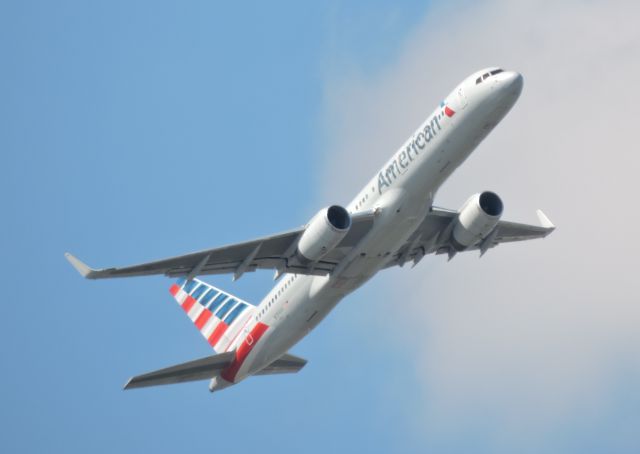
(218, 315)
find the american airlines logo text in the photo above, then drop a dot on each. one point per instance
(403, 160)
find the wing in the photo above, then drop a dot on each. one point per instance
(276, 252)
(434, 236)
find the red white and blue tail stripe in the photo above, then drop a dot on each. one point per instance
(218, 315)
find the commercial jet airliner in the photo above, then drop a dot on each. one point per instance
(392, 221)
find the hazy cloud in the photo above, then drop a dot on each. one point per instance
(537, 344)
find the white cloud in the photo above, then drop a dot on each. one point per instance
(533, 338)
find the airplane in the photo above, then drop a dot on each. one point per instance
(391, 222)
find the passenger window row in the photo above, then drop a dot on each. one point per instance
(361, 201)
(274, 298)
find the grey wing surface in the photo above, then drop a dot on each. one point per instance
(276, 252)
(286, 364)
(199, 369)
(434, 236)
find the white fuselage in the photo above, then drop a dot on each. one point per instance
(402, 194)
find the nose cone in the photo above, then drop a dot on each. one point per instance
(512, 83)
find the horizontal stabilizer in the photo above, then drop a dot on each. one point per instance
(199, 369)
(286, 364)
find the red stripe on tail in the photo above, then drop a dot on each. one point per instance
(217, 333)
(203, 318)
(188, 303)
(243, 351)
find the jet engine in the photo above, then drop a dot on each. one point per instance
(476, 219)
(323, 233)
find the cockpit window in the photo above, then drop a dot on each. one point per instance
(487, 75)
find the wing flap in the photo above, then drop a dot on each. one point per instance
(199, 369)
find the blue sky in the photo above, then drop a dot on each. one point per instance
(137, 130)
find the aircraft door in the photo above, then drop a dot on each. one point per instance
(248, 338)
(462, 98)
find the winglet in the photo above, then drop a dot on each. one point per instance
(84, 270)
(127, 385)
(544, 220)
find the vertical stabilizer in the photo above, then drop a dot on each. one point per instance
(218, 315)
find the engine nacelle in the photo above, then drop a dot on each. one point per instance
(476, 219)
(323, 233)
